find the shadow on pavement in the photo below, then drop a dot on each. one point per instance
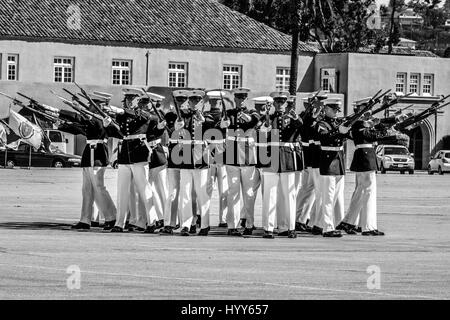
(34, 225)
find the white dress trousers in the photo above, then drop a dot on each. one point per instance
(308, 195)
(332, 202)
(218, 172)
(194, 180)
(247, 180)
(279, 193)
(136, 174)
(94, 191)
(363, 204)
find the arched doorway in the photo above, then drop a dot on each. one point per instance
(420, 142)
(416, 145)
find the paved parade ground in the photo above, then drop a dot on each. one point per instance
(39, 253)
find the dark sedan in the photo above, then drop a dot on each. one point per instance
(40, 158)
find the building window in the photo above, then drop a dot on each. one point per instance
(178, 74)
(414, 83)
(328, 79)
(12, 67)
(64, 69)
(121, 72)
(283, 78)
(232, 77)
(428, 80)
(400, 85)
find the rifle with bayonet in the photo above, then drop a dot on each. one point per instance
(311, 105)
(50, 117)
(389, 103)
(80, 108)
(349, 121)
(433, 109)
(42, 107)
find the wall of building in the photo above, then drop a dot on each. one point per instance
(362, 75)
(93, 67)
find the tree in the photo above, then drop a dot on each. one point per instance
(447, 6)
(432, 15)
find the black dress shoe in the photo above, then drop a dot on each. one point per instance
(359, 229)
(193, 229)
(301, 227)
(292, 234)
(332, 234)
(248, 231)
(95, 224)
(133, 228)
(176, 227)
(81, 226)
(127, 224)
(223, 225)
(159, 224)
(150, 229)
(167, 230)
(347, 227)
(268, 235)
(109, 225)
(198, 223)
(234, 233)
(317, 231)
(373, 233)
(243, 223)
(116, 229)
(283, 234)
(204, 232)
(185, 232)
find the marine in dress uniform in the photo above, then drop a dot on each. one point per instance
(190, 155)
(216, 146)
(308, 195)
(332, 169)
(135, 123)
(279, 161)
(240, 160)
(363, 204)
(94, 162)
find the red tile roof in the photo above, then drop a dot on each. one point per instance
(185, 23)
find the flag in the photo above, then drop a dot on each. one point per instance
(27, 131)
(3, 135)
(4, 111)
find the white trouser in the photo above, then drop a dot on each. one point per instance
(194, 180)
(157, 178)
(137, 216)
(307, 195)
(332, 202)
(136, 174)
(364, 202)
(248, 179)
(171, 209)
(218, 172)
(97, 215)
(279, 200)
(94, 191)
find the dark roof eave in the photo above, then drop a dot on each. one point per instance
(152, 45)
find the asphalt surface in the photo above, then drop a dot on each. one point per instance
(38, 251)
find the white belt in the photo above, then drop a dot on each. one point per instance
(367, 145)
(305, 144)
(135, 136)
(241, 139)
(154, 142)
(93, 143)
(278, 144)
(187, 141)
(314, 142)
(324, 148)
(216, 141)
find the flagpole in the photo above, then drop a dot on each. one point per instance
(6, 155)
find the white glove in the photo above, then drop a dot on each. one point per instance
(265, 129)
(245, 117)
(107, 121)
(179, 125)
(161, 125)
(225, 124)
(344, 130)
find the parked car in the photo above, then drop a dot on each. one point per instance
(39, 158)
(395, 158)
(440, 162)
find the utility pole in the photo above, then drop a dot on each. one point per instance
(391, 29)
